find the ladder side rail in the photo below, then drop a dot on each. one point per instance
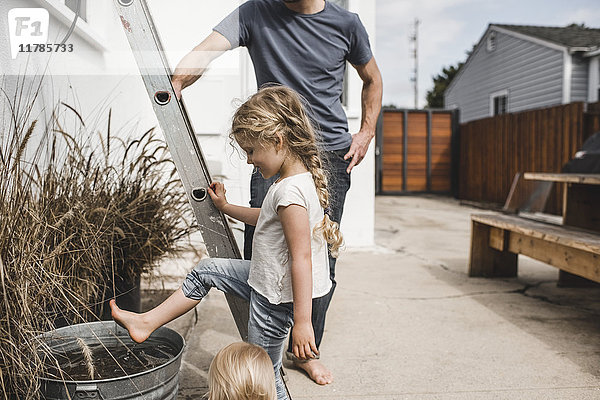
(181, 140)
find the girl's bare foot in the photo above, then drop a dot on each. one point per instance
(138, 328)
(316, 371)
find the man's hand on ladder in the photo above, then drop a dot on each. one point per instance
(177, 87)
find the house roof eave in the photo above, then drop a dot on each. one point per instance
(534, 39)
(467, 61)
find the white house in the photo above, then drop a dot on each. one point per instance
(98, 73)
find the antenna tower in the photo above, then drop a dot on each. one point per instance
(414, 39)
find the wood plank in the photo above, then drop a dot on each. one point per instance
(564, 257)
(497, 238)
(392, 152)
(588, 179)
(558, 234)
(392, 141)
(416, 183)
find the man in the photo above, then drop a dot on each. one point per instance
(303, 44)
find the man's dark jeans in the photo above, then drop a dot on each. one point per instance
(339, 183)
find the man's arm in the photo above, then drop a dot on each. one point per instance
(194, 64)
(370, 106)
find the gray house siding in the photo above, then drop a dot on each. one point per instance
(531, 73)
(579, 79)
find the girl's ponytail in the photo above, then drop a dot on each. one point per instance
(329, 229)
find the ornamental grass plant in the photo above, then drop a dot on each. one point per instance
(79, 208)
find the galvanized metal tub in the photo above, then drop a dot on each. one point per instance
(159, 383)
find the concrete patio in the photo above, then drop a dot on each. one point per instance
(407, 322)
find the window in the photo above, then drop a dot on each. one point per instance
(64, 10)
(499, 103)
(72, 4)
(491, 42)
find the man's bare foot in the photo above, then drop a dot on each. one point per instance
(316, 371)
(138, 328)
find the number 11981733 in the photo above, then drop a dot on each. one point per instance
(46, 48)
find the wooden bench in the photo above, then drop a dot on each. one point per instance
(496, 240)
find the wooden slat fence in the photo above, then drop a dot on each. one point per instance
(493, 149)
(591, 119)
(415, 151)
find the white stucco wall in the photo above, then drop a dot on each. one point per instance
(101, 73)
(358, 222)
(98, 75)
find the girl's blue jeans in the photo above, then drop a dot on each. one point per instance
(268, 325)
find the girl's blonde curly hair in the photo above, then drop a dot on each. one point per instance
(277, 113)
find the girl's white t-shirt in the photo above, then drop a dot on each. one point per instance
(270, 267)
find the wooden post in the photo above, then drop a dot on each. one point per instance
(486, 261)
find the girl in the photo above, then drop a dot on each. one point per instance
(241, 371)
(289, 266)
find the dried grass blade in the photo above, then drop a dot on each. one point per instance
(4, 292)
(108, 132)
(74, 111)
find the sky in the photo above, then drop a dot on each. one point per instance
(448, 29)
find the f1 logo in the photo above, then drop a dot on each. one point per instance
(27, 26)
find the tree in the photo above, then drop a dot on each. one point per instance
(435, 96)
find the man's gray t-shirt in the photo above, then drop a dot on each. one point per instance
(307, 52)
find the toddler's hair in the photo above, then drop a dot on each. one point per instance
(276, 114)
(241, 371)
